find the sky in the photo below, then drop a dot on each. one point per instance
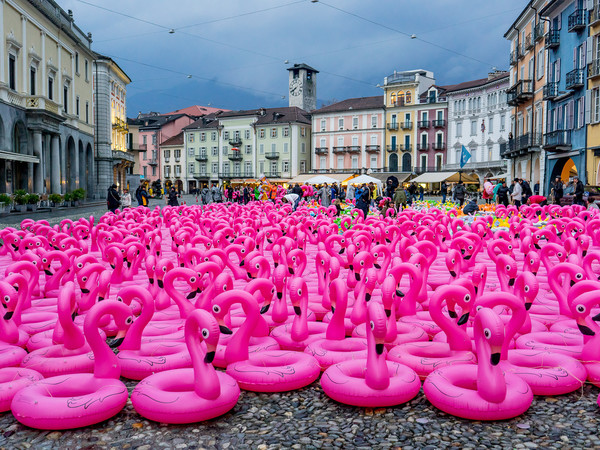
(234, 54)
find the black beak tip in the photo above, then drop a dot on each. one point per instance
(585, 330)
(85, 291)
(160, 283)
(495, 359)
(379, 349)
(388, 312)
(297, 310)
(463, 319)
(572, 283)
(511, 282)
(453, 273)
(8, 315)
(209, 358)
(115, 343)
(264, 309)
(333, 309)
(47, 272)
(279, 295)
(399, 293)
(452, 314)
(596, 318)
(242, 262)
(225, 330)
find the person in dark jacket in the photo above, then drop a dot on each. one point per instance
(363, 199)
(113, 199)
(459, 193)
(503, 193)
(471, 207)
(173, 197)
(558, 189)
(444, 191)
(578, 200)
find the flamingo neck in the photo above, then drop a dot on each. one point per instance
(561, 292)
(206, 381)
(106, 364)
(133, 338)
(237, 349)
(336, 330)
(458, 340)
(491, 385)
(299, 330)
(72, 337)
(376, 375)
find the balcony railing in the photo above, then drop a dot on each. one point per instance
(594, 16)
(153, 162)
(372, 148)
(423, 123)
(577, 20)
(514, 57)
(405, 148)
(558, 140)
(551, 90)
(527, 141)
(235, 156)
(528, 44)
(423, 169)
(422, 147)
(202, 157)
(167, 159)
(439, 146)
(575, 79)
(273, 174)
(392, 148)
(393, 126)
(321, 150)
(519, 92)
(353, 149)
(406, 125)
(439, 123)
(538, 31)
(201, 175)
(272, 155)
(339, 149)
(552, 39)
(177, 159)
(236, 174)
(235, 141)
(143, 147)
(504, 150)
(594, 68)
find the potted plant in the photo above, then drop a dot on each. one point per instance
(32, 201)
(68, 197)
(20, 197)
(6, 201)
(78, 195)
(55, 199)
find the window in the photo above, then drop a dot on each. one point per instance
(302, 132)
(167, 154)
(303, 147)
(87, 112)
(66, 98)
(286, 132)
(145, 170)
(202, 169)
(153, 139)
(286, 166)
(340, 124)
(225, 135)
(374, 139)
(213, 136)
(248, 168)
(202, 137)
(286, 148)
(191, 169)
(373, 164)
(407, 97)
(224, 150)
(322, 162)
(302, 166)
(473, 127)
(354, 123)
(502, 122)
(355, 141)
(12, 71)
(261, 133)
(86, 70)
(439, 139)
(340, 141)
(144, 138)
(458, 129)
(540, 64)
(77, 63)
(261, 167)
(491, 125)
(373, 121)
(145, 155)
(261, 149)
(323, 142)
(581, 112)
(248, 149)
(214, 151)
(355, 162)
(236, 136)
(77, 106)
(596, 105)
(191, 151)
(323, 124)
(215, 168)
(340, 162)
(32, 78)
(273, 132)
(177, 153)
(273, 148)
(153, 171)
(247, 134)
(177, 171)
(225, 167)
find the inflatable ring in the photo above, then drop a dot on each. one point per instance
(12, 380)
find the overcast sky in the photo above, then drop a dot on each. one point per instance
(236, 50)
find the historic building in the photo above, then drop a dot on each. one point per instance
(348, 136)
(46, 117)
(479, 120)
(527, 92)
(592, 100)
(113, 160)
(202, 147)
(431, 130)
(174, 160)
(303, 87)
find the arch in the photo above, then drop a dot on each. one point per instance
(400, 97)
(598, 174)
(393, 162)
(19, 171)
(81, 169)
(19, 138)
(2, 135)
(408, 97)
(70, 169)
(565, 168)
(89, 169)
(569, 170)
(406, 162)
(393, 98)
(535, 177)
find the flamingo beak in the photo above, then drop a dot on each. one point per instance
(453, 273)
(596, 318)
(399, 293)
(367, 296)
(332, 309)
(388, 312)
(463, 319)
(341, 251)
(265, 308)
(291, 270)
(85, 291)
(151, 280)
(47, 272)
(452, 314)
(73, 315)
(242, 262)
(224, 329)
(160, 283)
(357, 276)
(511, 282)
(210, 353)
(118, 340)
(377, 266)
(572, 283)
(297, 310)
(8, 315)
(279, 295)
(495, 359)
(528, 305)
(379, 348)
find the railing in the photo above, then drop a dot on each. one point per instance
(272, 155)
(321, 150)
(392, 148)
(594, 17)
(235, 156)
(273, 174)
(406, 125)
(519, 92)
(372, 148)
(439, 123)
(551, 90)
(504, 150)
(423, 123)
(201, 174)
(393, 126)
(423, 169)
(557, 140)
(202, 157)
(439, 145)
(594, 68)
(143, 147)
(527, 141)
(235, 142)
(514, 57)
(339, 149)
(177, 159)
(167, 159)
(528, 42)
(577, 20)
(422, 147)
(405, 148)
(398, 103)
(353, 149)
(538, 31)
(575, 79)
(552, 39)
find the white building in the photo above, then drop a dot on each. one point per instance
(479, 120)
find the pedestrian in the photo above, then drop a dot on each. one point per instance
(578, 200)
(113, 200)
(488, 191)
(444, 191)
(459, 193)
(400, 198)
(517, 193)
(536, 188)
(495, 192)
(421, 192)
(363, 198)
(246, 194)
(126, 199)
(292, 199)
(527, 192)
(503, 194)
(256, 193)
(216, 194)
(412, 191)
(351, 192)
(471, 207)
(324, 194)
(172, 198)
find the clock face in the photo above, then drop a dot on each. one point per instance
(295, 87)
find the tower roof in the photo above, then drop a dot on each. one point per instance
(303, 66)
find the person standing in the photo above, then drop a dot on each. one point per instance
(578, 200)
(527, 192)
(172, 198)
(400, 198)
(502, 194)
(216, 194)
(351, 192)
(558, 190)
(444, 191)
(488, 190)
(113, 200)
(459, 193)
(325, 195)
(142, 196)
(536, 188)
(246, 194)
(363, 198)
(517, 193)
(126, 199)
(421, 192)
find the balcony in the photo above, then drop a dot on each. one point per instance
(177, 159)
(153, 162)
(551, 90)
(423, 123)
(339, 149)
(520, 92)
(273, 174)
(405, 148)
(321, 150)
(556, 141)
(143, 147)
(372, 148)
(439, 123)
(393, 126)
(272, 155)
(528, 44)
(392, 148)
(439, 146)
(552, 39)
(594, 16)
(423, 169)
(514, 57)
(538, 32)
(201, 175)
(504, 150)
(353, 149)
(527, 141)
(594, 69)
(202, 157)
(235, 156)
(397, 103)
(575, 79)
(577, 20)
(422, 147)
(406, 125)
(235, 141)
(167, 159)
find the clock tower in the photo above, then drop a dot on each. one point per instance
(303, 87)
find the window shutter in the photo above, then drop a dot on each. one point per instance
(583, 55)
(559, 17)
(557, 75)
(575, 51)
(589, 47)
(588, 104)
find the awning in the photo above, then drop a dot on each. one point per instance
(502, 176)
(300, 179)
(383, 176)
(18, 157)
(438, 177)
(321, 179)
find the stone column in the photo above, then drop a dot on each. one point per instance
(38, 169)
(75, 168)
(55, 183)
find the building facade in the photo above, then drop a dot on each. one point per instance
(402, 91)
(526, 94)
(113, 160)
(479, 120)
(303, 87)
(593, 95)
(348, 136)
(201, 140)
(46, 117)
(431, 130)
(173, 158)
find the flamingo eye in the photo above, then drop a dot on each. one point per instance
(581, 309)
(510, 247)
(129, 320)
(38, 243)
(362, 263)
(467, 298)
(372, 325)
(193, 279)
(205, 333)
(453, 261)
(257, 266)
(153, 268)
(470, 247)
(44, 260)
(299, 291)
(479, 308)
(559, 254)
(487, 333)
(164, 268)
(579, 276)
(84, 279)
(273, 291)
(119, 299)
(526, 288)
(243, 250)
(6, 298)
(224, 288)
(507, 267)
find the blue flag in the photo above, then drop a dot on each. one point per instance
(464, 157)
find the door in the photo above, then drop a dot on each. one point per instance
(393, 142)
(406, 163)
(423, 162)
(393, 162)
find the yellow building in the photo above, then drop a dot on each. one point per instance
(46, 117)
(593, 96)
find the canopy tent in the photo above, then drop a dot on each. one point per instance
(502, 176)
(321, 179)
(301, 179)
(452, 177)
(365, 179)
(383, 176)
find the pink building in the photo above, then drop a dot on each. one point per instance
(348, 136)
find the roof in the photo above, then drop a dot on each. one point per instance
(197, 110)
(272, 115)
(100, 57)
(527, 8)
(175, 140)
(159, 121)
(207, 121)
(302, 66)
(353, 104)
(476, 83)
